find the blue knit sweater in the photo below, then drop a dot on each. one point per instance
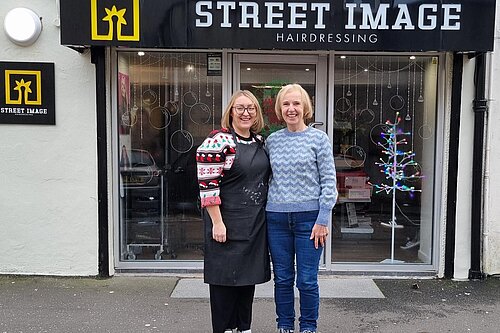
(303, 176)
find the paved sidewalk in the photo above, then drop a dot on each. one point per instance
(329, 288)
(145, 304)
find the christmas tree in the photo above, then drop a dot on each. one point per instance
(395, 168)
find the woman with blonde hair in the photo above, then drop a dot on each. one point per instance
(302, 193)
(233, 172)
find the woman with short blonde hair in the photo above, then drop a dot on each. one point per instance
(306, 101)
(302, 193)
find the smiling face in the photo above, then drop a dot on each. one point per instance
(292, 110)
(243, 115)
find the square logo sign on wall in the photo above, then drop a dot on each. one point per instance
(27, 93)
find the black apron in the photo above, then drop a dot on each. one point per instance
(244, 258)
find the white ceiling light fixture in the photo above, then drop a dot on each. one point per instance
(23, 26)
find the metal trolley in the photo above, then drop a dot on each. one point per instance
(144, 220)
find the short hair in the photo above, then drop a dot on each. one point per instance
(306, 100)
(227, 118)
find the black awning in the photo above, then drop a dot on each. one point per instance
(344, 25)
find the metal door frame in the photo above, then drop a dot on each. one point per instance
(320, 62)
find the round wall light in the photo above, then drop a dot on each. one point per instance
(22, 26)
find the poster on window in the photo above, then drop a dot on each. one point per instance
(125, 117)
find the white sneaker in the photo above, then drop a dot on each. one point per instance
(390, 224)
(410, 244)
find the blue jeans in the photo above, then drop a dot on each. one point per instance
(289, 239)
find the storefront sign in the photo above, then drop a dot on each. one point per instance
(27, 93)
(350, 25)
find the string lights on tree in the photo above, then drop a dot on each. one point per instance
(395, 166)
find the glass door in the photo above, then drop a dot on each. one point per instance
(264, 75)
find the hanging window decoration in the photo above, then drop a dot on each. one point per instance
(200, 112)
(189, 98)
(149, 95)
(182, 140)
(343, 104)
(159, 117)
(397, 101)
(366, 115)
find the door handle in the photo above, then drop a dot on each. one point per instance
(316, 123)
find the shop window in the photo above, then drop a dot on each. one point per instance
(167, 104)
(385, 108)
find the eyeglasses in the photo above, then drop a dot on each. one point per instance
(240, 109)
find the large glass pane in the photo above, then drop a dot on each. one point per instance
(167, 105)
(265, 80)
(384, 145)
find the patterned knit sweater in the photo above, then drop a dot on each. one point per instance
(214, 157)
(303, 176)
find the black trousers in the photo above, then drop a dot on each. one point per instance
(231, 307)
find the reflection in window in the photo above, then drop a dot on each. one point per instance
(265, 80)
(371, 93)
(167, 105)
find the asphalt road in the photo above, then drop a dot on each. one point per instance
(143, 304)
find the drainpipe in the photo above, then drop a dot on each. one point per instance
(480, 107)
(98, 58)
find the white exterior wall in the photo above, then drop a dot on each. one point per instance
(491, 230)
(48, 174)
(464, 181)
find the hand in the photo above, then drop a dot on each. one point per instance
(218, 226)
(219, 232)
(319, 234)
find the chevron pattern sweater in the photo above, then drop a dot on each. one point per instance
(303, 176)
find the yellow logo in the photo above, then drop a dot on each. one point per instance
(23, 88)
(107, 16)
